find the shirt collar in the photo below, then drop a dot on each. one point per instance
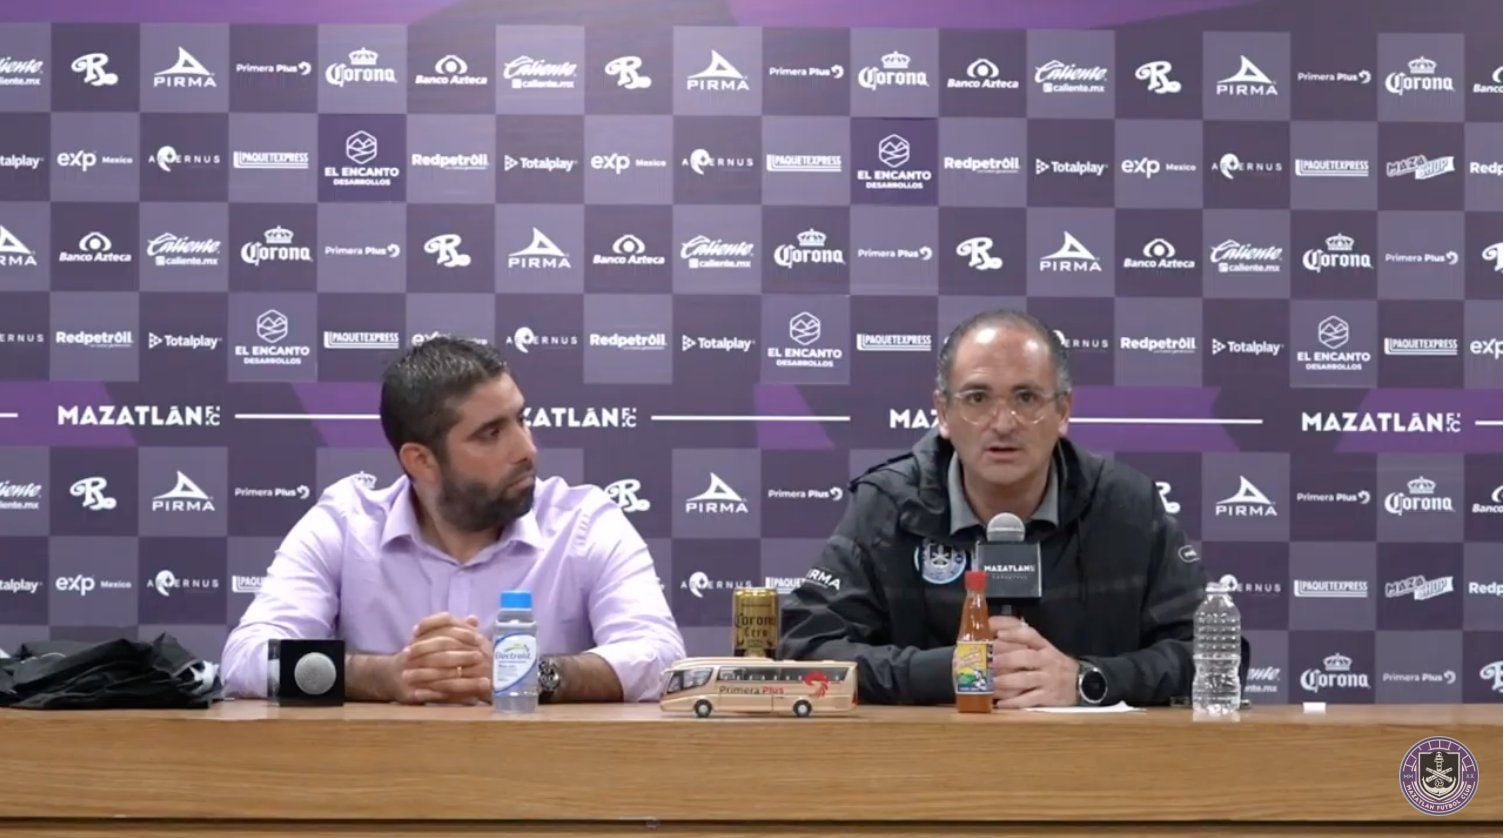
(402, 521)
(962, 517)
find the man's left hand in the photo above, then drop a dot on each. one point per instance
(1033, 673)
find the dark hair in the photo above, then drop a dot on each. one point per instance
(1005, 317)
(421, 388)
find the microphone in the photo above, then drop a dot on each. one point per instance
(1014, 568)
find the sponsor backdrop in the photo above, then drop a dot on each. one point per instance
(719, 242)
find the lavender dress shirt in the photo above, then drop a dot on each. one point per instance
(356, 568)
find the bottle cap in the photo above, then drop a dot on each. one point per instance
(515, 599)
(975, 581)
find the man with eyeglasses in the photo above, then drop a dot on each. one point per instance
(1120, 583)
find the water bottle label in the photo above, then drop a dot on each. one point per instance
(514, 659)
(972, 669)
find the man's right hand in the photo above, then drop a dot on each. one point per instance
(446, 661)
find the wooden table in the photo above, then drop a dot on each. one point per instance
(250, 768)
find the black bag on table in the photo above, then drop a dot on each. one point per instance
(115, 674)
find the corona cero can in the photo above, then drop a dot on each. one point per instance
(757, 622)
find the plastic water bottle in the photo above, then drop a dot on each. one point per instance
(516, 655)
(1217, 691)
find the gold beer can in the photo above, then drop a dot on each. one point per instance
(757, 622)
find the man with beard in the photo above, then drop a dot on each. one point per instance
(409, 574)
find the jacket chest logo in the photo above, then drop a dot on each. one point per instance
(940, 564)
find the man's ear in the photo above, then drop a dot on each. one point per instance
(940, 402)
(419, 463)
(1067, 403)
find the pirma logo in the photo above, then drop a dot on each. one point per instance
(718, 499)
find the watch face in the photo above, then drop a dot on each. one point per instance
(550, 676)
(1092, 685)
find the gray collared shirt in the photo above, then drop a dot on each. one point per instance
(962, 517)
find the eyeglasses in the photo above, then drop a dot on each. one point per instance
(1026, 405)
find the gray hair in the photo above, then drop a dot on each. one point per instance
(1009, 317)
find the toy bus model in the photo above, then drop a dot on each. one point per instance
(759, 685)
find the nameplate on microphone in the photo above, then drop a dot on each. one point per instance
(1014, 570)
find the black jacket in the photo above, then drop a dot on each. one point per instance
(1120, 584)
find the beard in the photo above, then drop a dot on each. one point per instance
(472, 506)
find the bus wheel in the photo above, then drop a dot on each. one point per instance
(802, 709)
(703, 709)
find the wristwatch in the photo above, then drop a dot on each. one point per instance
(550, 677)
(1091, 685)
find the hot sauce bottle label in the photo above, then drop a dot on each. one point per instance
(972, 668)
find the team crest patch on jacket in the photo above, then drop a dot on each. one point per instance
(940, 564)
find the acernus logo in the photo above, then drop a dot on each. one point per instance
(1420, 496)
(701, 162)
(1230, 166)
(168, 158)
(360, 68)
(1336, 674)
(277, 245)
(1338, 255)
(140, 415)
(895, 71)
(811, 249)
(699, 583)
(166, 582)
